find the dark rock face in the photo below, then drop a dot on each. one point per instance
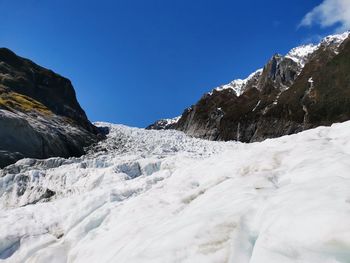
(53, 91)
(40, 116)
(278, 74)
(284, 99)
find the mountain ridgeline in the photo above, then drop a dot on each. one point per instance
(40, 116)
(308, 87)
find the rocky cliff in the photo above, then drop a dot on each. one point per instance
(308, 87)
(40, 116)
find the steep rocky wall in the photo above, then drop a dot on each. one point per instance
(40, 116)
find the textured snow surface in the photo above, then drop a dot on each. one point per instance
(160, 196)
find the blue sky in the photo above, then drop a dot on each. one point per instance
(135, 61)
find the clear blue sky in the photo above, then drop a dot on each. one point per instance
(135, 61)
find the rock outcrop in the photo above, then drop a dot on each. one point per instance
(40, 116)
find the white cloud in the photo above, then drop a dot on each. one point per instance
(329, 13)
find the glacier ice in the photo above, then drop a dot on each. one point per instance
(161, 196)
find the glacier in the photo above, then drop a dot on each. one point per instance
(161, 196)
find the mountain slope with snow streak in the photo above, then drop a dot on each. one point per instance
(160, 196)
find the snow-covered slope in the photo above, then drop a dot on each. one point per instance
(302, 53)
(335, 40)
(160, 196)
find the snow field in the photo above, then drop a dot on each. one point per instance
(160, 196)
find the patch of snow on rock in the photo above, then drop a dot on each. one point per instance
(238, 85)
(172, 120)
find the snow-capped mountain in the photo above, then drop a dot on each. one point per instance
(300, 55)
(277, 99)
(160, 196)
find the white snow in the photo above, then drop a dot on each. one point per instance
(235, 85)
(275, 102)
(301, 54)
(172, 120)
(238, 85)
(160, 196)
(257, 105)
(337, 39)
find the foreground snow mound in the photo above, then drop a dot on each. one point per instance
(160, 196)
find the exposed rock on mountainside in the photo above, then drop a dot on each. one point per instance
(40, 116)
(308, 87)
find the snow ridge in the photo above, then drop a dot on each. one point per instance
(337, 39)
(301, 54)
